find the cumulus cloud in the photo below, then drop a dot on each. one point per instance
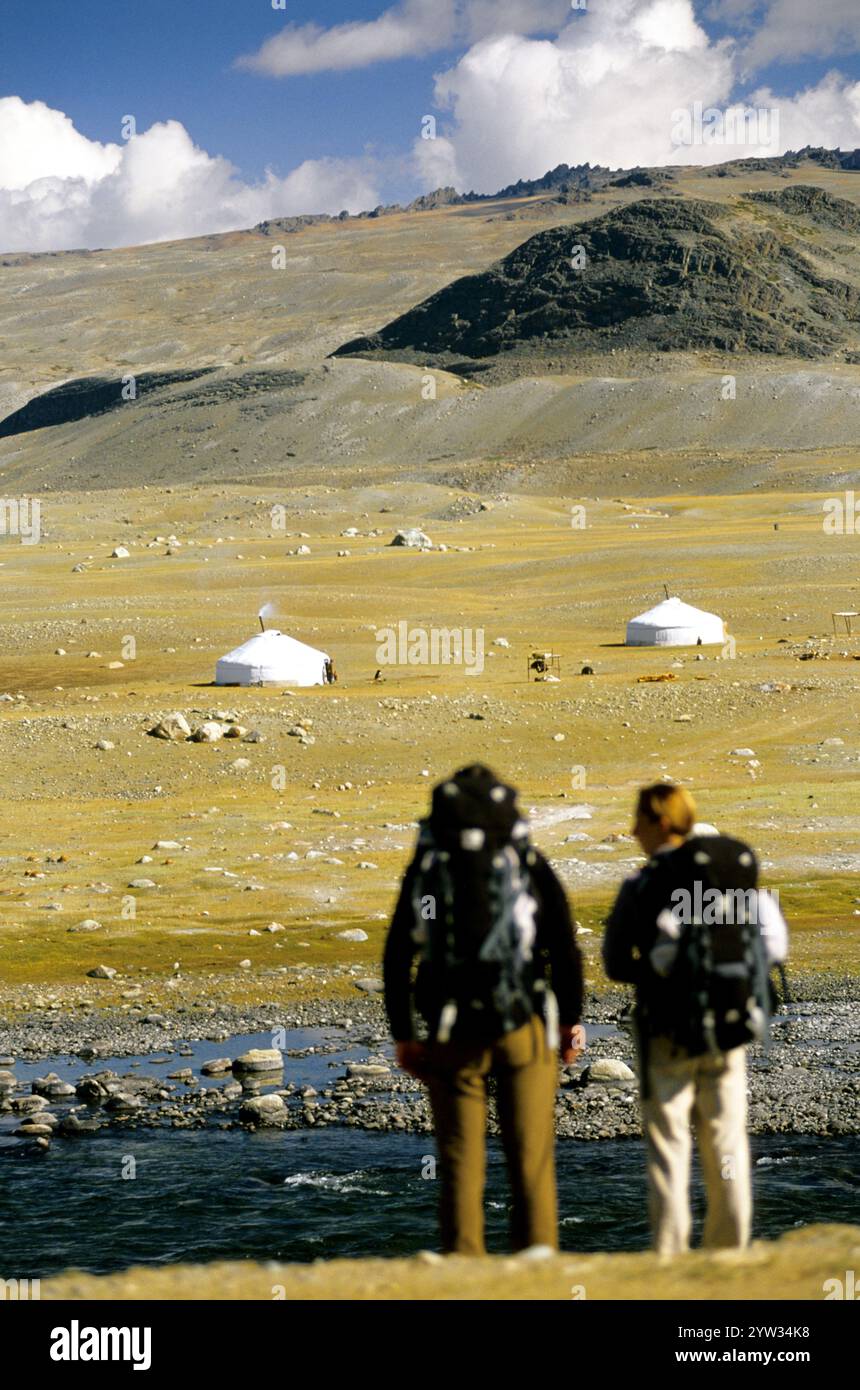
(609, 90)
(536, 85)
(411, 29)
(59, 190)
(787, 30)
(827, 114)
(39, 143)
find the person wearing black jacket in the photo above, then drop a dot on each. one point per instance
(471, 1012)
(680, 1084)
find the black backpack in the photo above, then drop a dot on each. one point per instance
(706, 981)
(475, 928)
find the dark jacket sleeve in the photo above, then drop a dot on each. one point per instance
(397, 965)
(619, 938)
(557, 936)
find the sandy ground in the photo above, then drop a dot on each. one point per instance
(795, 1267)
(281, 834)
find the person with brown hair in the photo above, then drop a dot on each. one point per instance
(700, 965)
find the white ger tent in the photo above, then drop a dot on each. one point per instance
(272, 658)
(674, 623)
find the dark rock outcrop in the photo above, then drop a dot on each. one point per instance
(659, 273)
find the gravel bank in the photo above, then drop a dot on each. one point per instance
(808, 1082)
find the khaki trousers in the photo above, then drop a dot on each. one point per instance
(711, 1091)
(526, 1073)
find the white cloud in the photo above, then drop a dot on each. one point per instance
(408, 30)
(436, 164)
(58, 189)
(607, 90)
(411, 29)
(787, 30)
(39, 143)
(827, 114)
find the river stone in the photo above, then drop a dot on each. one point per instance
(29, 1105)
(121, 1101)
(369, 986)
(608, 1069)
(260, 1059)
(90, 1090)
(263, 1110)
(70, 1124)
(33, 1131)
(362, 1069)
(217, 1066)
(52, 1087)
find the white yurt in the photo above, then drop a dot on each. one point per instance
(674, 623)
(272, 658)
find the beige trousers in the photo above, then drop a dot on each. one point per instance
(710, 1091)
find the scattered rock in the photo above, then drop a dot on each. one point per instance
(174, 726)
(259, 1059)
(412, 538)
(607, 1069)
(263, 1110)
(216, 1066)
(210, 732)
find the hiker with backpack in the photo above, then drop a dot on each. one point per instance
(697, 938)
(497, 993)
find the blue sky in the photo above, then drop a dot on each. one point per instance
(97, 60)
(339, 134)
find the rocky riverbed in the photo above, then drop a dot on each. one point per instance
(194, 1068)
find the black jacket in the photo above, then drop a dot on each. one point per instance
(557, 952)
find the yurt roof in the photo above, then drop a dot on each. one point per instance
(673, 612)
(271, 645)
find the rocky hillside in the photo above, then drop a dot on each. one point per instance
(657, 273)
(816, 204)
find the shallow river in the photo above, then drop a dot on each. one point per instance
(297, 1195)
